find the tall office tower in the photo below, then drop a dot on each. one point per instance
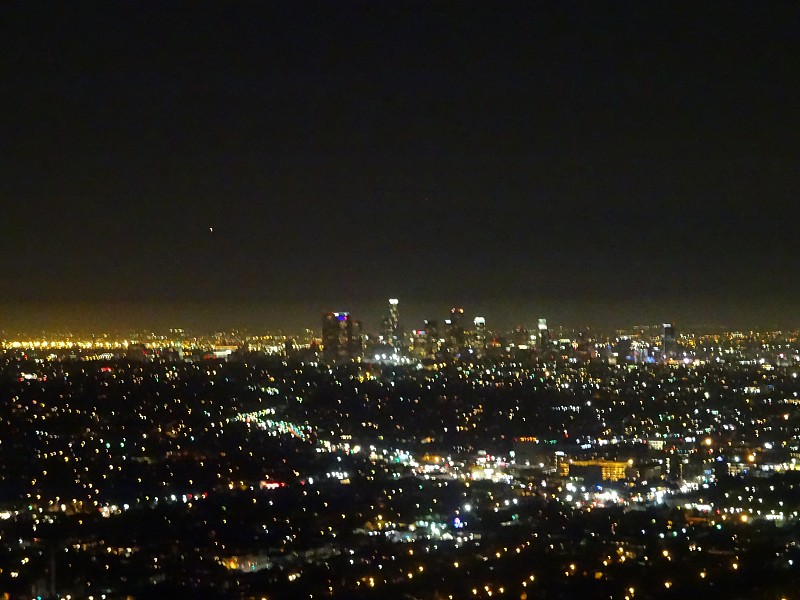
(394, 316)
(391, 325)
(544, 335)
(386, 337)
(355, 342)
(341, 336)
(455, 331)
(480, 336)
(669, 341)
(419, 343)
(432, 334)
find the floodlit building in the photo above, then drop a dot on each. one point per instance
(480, 336)
(341, 337)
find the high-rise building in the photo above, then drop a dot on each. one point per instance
(355, 346)
(455, 331)
(432, 336)
(480, 336)
(392, 325)
(669, 342)
(419, 343)
(544, 335)
(394, 313)
(341, 336)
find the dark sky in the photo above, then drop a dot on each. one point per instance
(599, 162)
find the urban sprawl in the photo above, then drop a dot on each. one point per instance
(450, 461)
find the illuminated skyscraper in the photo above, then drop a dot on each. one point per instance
(355, 346)
(392, 325)
(669, 341)
(341, 337)
(455, 331)
(419, 343)
(480, 336)
(544, 335)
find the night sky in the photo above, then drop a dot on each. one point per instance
(600, 162)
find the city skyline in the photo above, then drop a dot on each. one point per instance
(141, 316)
(124, 317)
